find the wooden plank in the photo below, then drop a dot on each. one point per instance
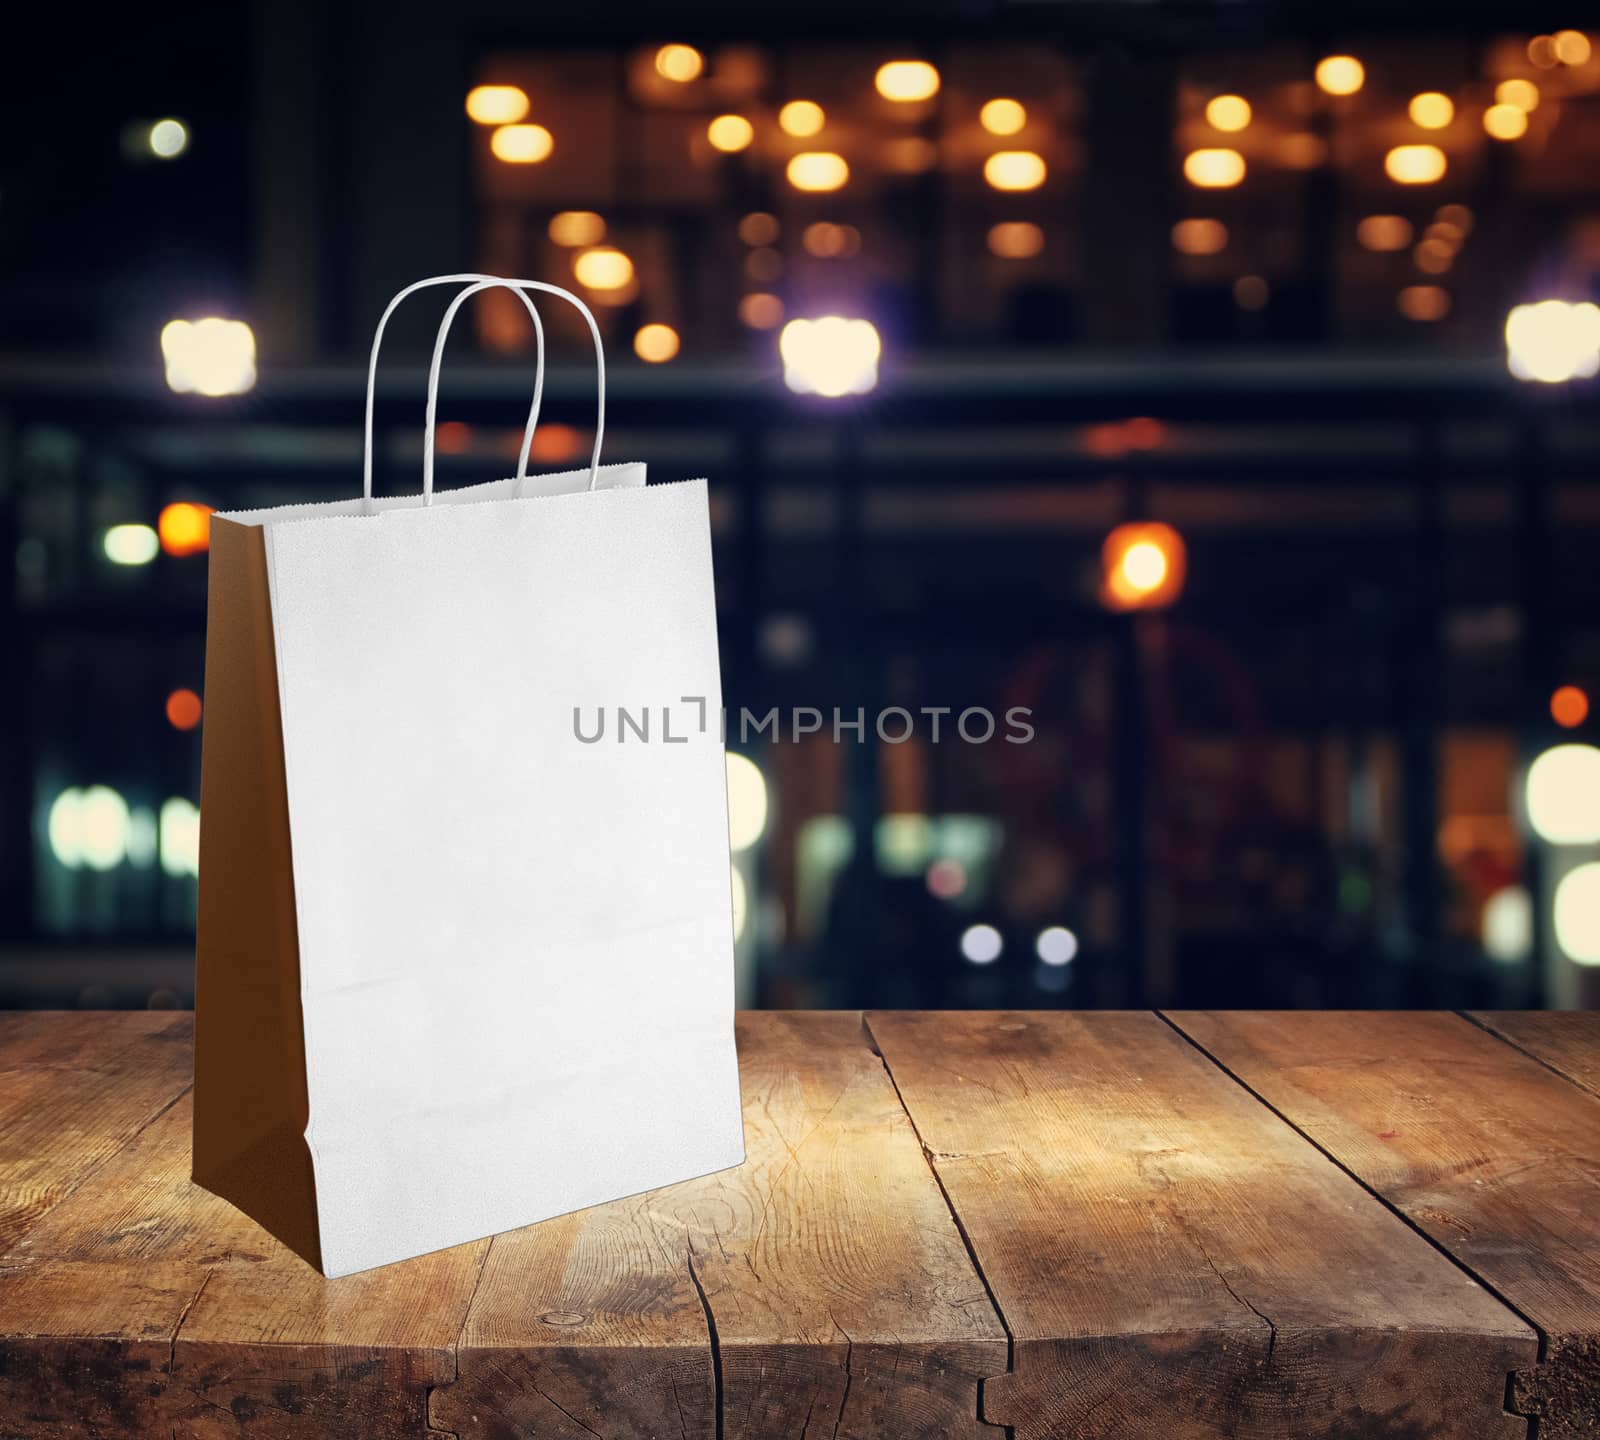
(1171, 1259)
(827, 1268)
(75, 1087)
(1566, 1040)
(148, 1306)
(1484, 1149)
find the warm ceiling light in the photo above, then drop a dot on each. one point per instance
(730, 133)
(1213, 169)
(1572, 47)
(758, 228)
(1199, 237)
(1384, 232)
(497, 104)
(577, 227)
(801, 118)
(604, 268)
(1415, 164)
(1015, 170)
(907, 80)
(761, 311)
(1002, 117)
(212, 356)
(1228, 112)
(680, 63)
(830, 356)
(1524, 94)
(1423, 302)
(1016, 240)
(817, 170)
(1553, 341)
(1542, 51)
(1340, 74)
(184, 528)
(655, 344)
(1432, 110)
(521, 144)
(1505, 122)
(1433, 257)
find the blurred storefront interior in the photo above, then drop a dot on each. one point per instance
(1216, 388)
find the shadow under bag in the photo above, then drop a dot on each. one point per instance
(460, 969)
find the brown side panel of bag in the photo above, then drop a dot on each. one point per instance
(249, 1058)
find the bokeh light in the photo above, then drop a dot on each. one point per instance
(1384, 232)
(655, 344)
(184, 528)
(730, 134)
(1505, 122)
(1415, 164)
(759, 228)
(1340, 74)
(1213, 169)
(747, 802)
(801, 118)
(1577, 914)
(830, 356)
(981, 944)
(522, 144)
(1143, 565)
(1572, 47)
(1431, 110)
(497, 104)
(574, 228)
(1507, 931)
(679, 63)
(1553, 341)
(1056, 945)
(1228, 113)
(1016, 239)
(1569, 707)
(817, 171)
(1014, 170)
(1423, 303)
(1563, 795)
(183, 709)
(1524, 94)
(1200, 236)
(168, 139)
(907, 80)
(130, 544)
(603, 268)
(211, 357)
(1003, 117)
(761, 311)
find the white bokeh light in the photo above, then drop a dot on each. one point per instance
(209, 357)
(1508, 925)
(131, 544)
(830, 356)
(1553, 341)
(741, 902)
(1563, 795)
(1056, 945)
(981, 944)
(179, 837)
(747, 802)
(1577, 914)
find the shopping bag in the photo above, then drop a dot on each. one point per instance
(461, 968)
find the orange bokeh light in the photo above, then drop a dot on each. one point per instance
(554, 443)
(1143, 564)
(1569, 707)
(453, 437)
(185, 528)
(183, 709)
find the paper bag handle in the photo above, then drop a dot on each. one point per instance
(484, 281)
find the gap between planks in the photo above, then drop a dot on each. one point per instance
(949, 1204)
(1377, 1195)
(1522, 1049)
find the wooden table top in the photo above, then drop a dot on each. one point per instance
(1130, 1225)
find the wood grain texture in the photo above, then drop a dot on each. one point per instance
(73, 1091)
(1488, 1152)
(1172, 1260)
(140, 1304)
(1567, 1041)
(827, 1268)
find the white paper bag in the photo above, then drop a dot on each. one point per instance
(457, 969)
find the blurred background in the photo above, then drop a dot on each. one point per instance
(1211, 379)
